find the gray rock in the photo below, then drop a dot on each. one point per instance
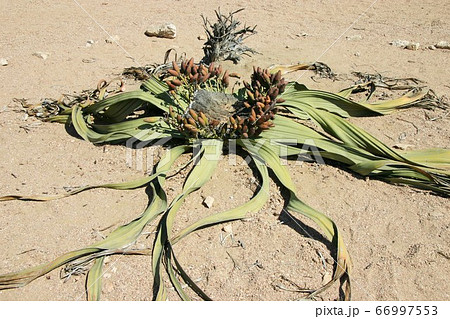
(167, 30)
(215, 105)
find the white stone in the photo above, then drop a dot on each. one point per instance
(355, 37)
(228, 229)
(399, 43)
(208, 201)
(413, 46)
(42, 55)
(443, 45)
(3, 62)
(167, 30)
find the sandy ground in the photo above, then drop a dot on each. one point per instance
(398, 237)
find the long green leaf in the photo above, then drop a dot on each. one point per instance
(339, 103)
(343, 262)
(367, 155)
(94, 280)
(201, 173)
(118, 186)
(121, 237)
(255, 204)
(24, 277)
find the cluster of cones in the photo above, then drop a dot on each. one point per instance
(195, 124)
(253, 114)
(261, 100)
(189, 73)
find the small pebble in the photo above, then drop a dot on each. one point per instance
(208, 201)
(3, 62)
(141, 246)
(357, 54)
(413, 46)
(91, 60)
(228, 229)
(431, 47)
(399, 43)
(42, 55)
(355, 37)
(443, 45)
(89, 43)
(404, 44)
